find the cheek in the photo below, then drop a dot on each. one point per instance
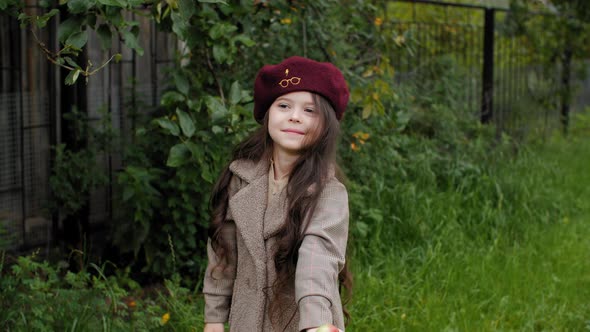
(274, 116)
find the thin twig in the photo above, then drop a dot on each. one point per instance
(48, 54)
(51, 57)
(210, 66)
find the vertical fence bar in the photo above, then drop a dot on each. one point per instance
(154, 71)
(488, 67)
(53, 129)
(20, 67)
(133, 86)
(565, 92)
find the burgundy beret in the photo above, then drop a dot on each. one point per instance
(299, 74)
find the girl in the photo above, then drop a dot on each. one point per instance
(279, 228)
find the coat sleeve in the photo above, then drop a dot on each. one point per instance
(219, 277)
(321, 258)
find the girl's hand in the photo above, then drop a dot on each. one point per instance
(213, 327)
(325, 328)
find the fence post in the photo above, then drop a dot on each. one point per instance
(566, 61)
(52, 76)
(487, 97)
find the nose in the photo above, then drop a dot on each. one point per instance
(295, 115)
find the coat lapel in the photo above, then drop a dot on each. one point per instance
(248, 207)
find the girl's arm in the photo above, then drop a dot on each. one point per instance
(219, 280)
(321, 258)
(218, 283)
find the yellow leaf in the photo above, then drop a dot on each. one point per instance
(368, 72)
(367, 110)
(356, 95)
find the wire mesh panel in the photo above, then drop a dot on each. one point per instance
(11, 203)
(425, 42)
(582, 92)
(502, 68)
(11, 189)
(122, 92)
(31, 121)
(25, 141)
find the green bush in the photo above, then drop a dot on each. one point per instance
(39, 296)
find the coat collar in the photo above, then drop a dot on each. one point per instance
(249, 170)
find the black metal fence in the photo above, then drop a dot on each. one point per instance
(503, 84)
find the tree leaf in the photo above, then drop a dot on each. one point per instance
(213, 1)
(219, 53)
(180, 25)
(222, 30)
(186, 123)
(42, 20)
(206, 173)
(186, 8)
(78, 39)
(169, 125)
(181, 82)
(131, 40)
(216, 130)
(171, 97)
(244, 40)
(68, 27)
(105, 36)
(71, 62)
(134, 3)
(178, 155)
(235, 93)
(194, 105)
(367, 110)
(216, 108)
(91, 20)
(72, 77)
(113, 15)
(196, 151)
(80, 6)
(115, 3)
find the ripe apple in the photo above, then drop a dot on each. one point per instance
(328, 328)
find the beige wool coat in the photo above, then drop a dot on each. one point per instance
(240, 289)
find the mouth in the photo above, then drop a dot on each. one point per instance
(293, 131)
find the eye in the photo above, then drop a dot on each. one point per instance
(283, 105)
(309, 110)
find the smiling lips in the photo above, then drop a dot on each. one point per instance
(293, 131)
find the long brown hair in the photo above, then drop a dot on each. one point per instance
(311, 170)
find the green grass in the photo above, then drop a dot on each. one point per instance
(530, 278)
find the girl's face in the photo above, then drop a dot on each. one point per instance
(293, 122)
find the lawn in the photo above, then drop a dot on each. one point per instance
(535, 280)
